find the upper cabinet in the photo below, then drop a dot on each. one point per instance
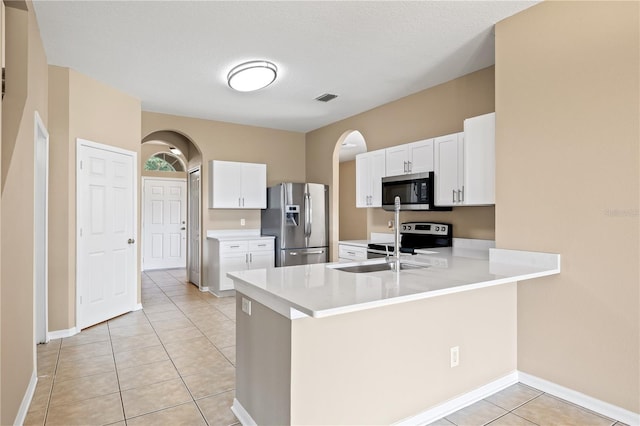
(414, 157)
(370, 168)
(464, 164)
(234, 185)
(448, 166)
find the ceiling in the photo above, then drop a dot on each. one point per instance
(175, 55)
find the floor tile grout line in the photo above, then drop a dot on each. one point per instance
(53, 380)
(115, 366)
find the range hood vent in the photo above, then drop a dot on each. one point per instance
(326, 97)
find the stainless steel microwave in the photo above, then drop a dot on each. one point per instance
(416, 192)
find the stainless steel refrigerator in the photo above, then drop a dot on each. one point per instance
(297, 215)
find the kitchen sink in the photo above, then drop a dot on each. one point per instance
(377, 267)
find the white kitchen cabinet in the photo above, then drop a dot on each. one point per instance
(351, 253)
(464, 164)
(414, 157)
(448, 166)
(370, 168)
(235, 185)
(479, 180)
(237, 255)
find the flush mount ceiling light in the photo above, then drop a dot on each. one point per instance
(252, 75)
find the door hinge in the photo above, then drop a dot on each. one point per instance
(81, 232)
(80, 164)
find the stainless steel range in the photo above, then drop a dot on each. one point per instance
(416, 235)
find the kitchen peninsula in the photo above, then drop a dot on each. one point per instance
(320, 345)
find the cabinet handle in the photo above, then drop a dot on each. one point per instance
(405, 167)
(250, 257)
(453, 195)
(234, 246)
(462, 193)
(239, 202)
(409, 166)
(262, 245)
(459, 197)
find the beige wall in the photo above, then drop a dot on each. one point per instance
(568, 126)
(433, 112)
(282, 151)
(26, 67)
(353, 221)
(87, 109)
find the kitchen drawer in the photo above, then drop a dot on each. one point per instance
(233, 246)
(352, 252)
(265, 244)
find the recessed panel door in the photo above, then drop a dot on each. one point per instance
(164, 223)
(106, 250)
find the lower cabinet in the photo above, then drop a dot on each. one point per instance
(237, 255)
(349, 253)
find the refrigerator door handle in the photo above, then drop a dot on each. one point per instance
(307, 214)
(295, 253)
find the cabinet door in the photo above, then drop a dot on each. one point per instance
(421, 156)
(448, 154)
(261, 259)
(397, 162)
(230, 262)
(224, 184)
(362, 180)
(377, 172)
(254, 186)
(479, 160)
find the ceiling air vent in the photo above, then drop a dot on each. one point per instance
(326, 97)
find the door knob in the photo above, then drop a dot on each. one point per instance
(131, 241)
(183, 228)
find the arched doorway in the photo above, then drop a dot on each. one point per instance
(171, 158)
(350, 222)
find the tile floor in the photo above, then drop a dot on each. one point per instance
(174, 363)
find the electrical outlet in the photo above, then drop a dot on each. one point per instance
(455, 356)
(246, 306)
(242, 222)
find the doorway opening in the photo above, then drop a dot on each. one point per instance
(171, 219)
(41, 229)
(351, 222)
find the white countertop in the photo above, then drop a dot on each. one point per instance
(319, 290)
(236, 235)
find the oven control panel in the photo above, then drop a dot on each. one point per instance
(428, 228)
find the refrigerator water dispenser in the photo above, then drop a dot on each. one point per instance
(292, 212)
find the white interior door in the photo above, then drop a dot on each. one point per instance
(106, 218)
(164, 223)
(194, 227)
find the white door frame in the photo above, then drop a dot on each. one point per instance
(142, 242)
(190, 224)
(134, 188)
(41, 230)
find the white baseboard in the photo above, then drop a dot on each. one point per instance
(243, 416)
(26, 400)
(578, 398)
(59, 334)
(204, 288)
(137, 307)
(455, 404)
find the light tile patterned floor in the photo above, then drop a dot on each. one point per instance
(170, 363)
(174, 363)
